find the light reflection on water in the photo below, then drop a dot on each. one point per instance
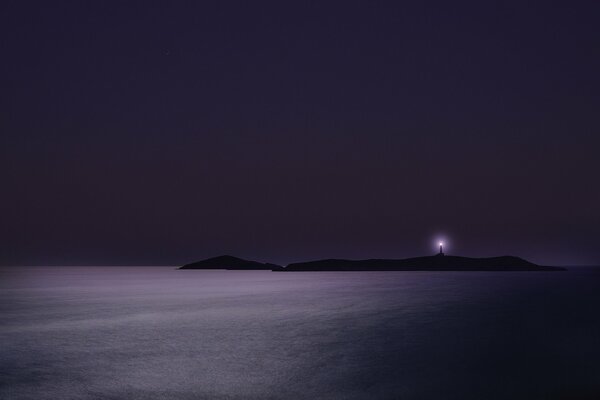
(159, 333)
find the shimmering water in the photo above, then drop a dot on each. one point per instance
(159, 333)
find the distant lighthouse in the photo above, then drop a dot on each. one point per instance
(441, 249)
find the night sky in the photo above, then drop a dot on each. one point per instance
(158, 133)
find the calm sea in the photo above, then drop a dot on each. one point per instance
(160, 333)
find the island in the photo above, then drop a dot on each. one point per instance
(438, 262)
(231, 263)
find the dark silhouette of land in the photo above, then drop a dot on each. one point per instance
(439, 262)
(231, 263)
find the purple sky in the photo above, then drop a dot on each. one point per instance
(166, 132)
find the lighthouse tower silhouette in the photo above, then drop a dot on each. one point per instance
(441, 253)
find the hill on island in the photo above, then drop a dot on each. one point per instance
(439, 262)
(231, 263)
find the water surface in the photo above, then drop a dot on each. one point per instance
(160, 333)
